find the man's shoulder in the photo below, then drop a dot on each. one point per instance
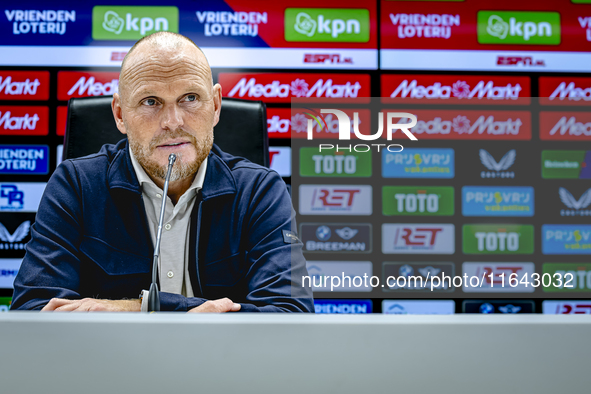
(244, 172)
(99, 161)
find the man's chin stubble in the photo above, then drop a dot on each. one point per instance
(181, 169)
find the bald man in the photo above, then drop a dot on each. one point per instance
(227, 244)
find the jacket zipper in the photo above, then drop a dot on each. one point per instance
(197, 243)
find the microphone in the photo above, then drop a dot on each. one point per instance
(154, 294)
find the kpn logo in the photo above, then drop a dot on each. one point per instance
(326, 25)
(418, 200)
(513, 27)
(132, 22)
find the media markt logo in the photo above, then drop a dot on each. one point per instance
(566, 164)
(333, 163)
(326, 25)
(498, 239)
(513, 27)
(132, 22)
(418, 200)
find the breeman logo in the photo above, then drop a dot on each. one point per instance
(326, 25)
(345, 130)
(132, 22)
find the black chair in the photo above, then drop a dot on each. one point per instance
(241, 131)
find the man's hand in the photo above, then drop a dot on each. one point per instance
(217, 306)
(92, 305)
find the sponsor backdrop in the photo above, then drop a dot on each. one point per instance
(495, 184)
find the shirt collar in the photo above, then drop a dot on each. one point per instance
(143, 177)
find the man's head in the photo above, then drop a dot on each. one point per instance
(167, 103)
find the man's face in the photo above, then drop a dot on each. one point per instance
(168, 105)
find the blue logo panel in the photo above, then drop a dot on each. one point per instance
(24, 159)
(418, 163)
(343, 306)
(566, 239)
(498, 201)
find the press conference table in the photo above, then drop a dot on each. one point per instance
(267, 353)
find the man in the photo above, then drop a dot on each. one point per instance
(227, 244)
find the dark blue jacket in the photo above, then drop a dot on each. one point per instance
(91, 237)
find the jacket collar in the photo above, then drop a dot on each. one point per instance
(218, 177)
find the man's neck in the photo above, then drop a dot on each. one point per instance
(175, 189)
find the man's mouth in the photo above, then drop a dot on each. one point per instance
(173, 144)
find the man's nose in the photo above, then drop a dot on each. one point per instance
(172, 118)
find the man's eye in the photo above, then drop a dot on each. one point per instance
(191, 97)
(149, 102)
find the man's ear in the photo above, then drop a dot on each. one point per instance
(217, 102)
(117, 113)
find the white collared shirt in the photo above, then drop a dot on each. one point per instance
(173, 265)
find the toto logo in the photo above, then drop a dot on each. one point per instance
(345, 124)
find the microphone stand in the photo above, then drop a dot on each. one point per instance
(154, 293)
